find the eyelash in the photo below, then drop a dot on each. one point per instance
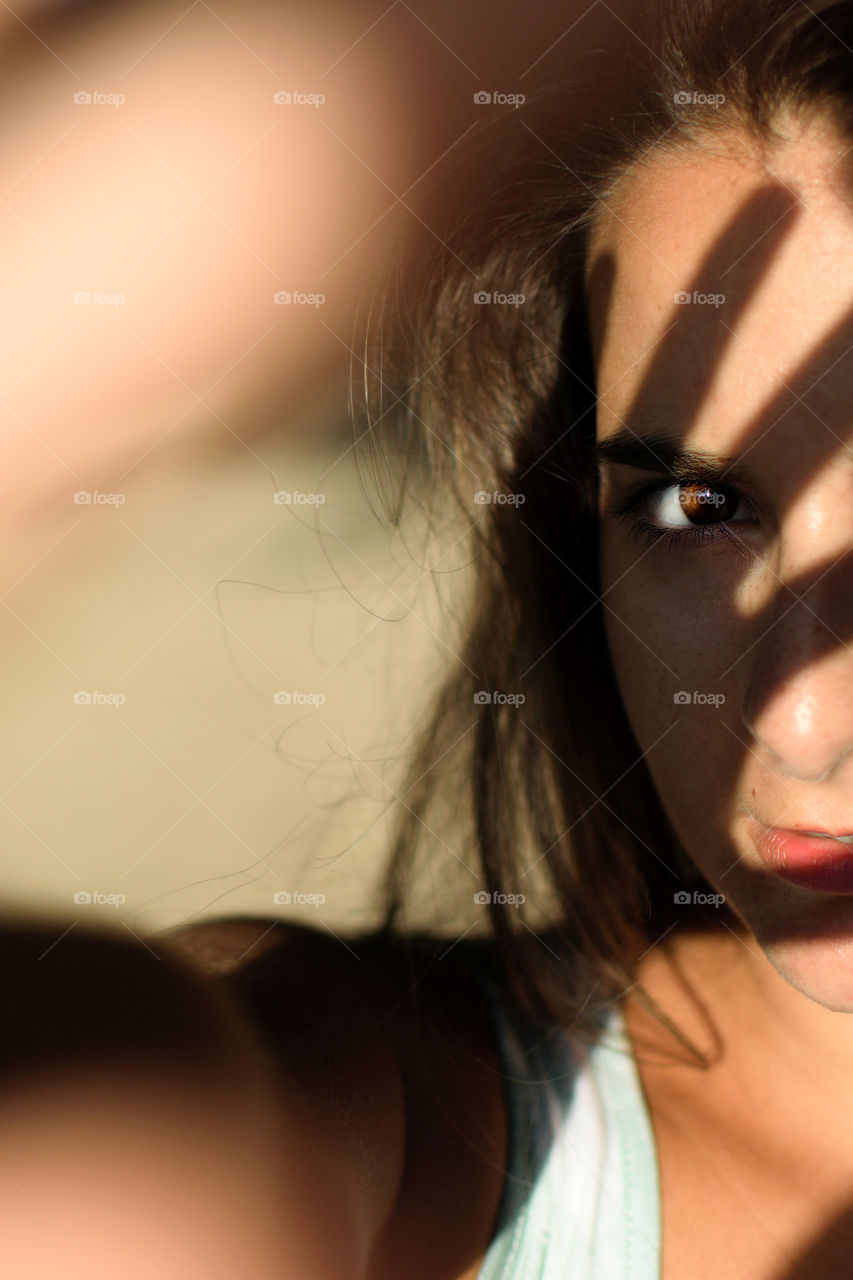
(642, 529)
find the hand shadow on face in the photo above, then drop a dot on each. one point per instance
(752, 239)
(818, 601)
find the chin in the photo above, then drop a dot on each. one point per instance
(815, 958)
(806, 936)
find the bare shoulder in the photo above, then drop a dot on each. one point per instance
(420, 989)
(386, 1026)
(216, 947)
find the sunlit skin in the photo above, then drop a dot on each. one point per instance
(110, 1172)
(196, 199)
(191, 203)
(766, 619)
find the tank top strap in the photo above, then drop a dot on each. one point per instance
(581, 1196)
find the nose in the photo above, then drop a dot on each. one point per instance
(798, 703)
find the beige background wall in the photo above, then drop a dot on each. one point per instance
(198, 600)
(198, 202)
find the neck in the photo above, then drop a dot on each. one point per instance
(758, 1033)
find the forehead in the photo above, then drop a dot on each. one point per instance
(761, 241)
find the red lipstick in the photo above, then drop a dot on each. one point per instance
(820, 863)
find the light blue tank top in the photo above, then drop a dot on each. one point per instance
(581, 1197)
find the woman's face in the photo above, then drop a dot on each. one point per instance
(721, 305)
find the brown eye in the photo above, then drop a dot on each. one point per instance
(679, 513)
(707, 504)
(685, 506)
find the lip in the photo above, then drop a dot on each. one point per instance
(818, 863)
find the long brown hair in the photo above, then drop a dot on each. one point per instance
(552, 797)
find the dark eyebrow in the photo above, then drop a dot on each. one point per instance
(658, 453)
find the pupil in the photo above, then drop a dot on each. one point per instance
(704, 504)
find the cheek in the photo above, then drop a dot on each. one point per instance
(673, 628)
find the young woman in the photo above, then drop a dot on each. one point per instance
(632, 333)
